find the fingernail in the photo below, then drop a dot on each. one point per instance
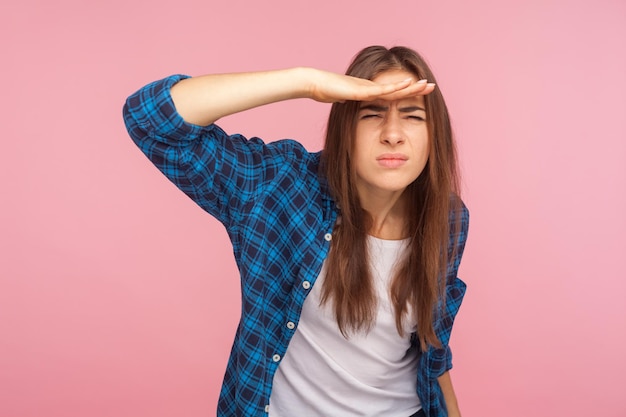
(431, 85)
(424, 81)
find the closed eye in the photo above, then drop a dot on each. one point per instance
(370, 116)
(420, 118)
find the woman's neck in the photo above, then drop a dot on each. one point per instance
(388, 217)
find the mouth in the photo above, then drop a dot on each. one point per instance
(392, 160)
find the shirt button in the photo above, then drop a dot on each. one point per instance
(306, 285)
(328, 237)
(291, 325)
(276, 358)
(267, 408)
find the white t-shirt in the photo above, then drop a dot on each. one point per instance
(368, 374)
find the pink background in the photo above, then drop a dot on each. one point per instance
(119, 297)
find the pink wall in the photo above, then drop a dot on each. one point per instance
(118, 296)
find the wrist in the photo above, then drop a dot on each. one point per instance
(304, 81)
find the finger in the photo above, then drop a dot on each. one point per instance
(370, 90)
(385, 89)
(420, 88)
(405, 88)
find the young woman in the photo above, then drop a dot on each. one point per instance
(348, 257)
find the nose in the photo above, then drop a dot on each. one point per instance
(391, 133)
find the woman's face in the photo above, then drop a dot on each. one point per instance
(391, 145)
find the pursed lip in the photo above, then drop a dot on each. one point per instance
(392, 156)
(392, 160)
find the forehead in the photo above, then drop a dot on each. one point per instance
(407, 102)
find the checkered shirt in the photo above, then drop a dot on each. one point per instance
(279, 216)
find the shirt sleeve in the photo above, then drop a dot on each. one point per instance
(455, 291)
(220, 172)
(436, 361)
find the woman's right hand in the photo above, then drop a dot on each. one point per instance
(329, 87)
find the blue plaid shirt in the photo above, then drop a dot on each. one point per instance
(279, 217)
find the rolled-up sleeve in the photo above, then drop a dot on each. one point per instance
(150, 112)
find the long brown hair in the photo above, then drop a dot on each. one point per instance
(421, 275)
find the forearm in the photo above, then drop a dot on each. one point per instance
(203, 100)
(445, 382)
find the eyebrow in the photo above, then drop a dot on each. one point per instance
(380, 108)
